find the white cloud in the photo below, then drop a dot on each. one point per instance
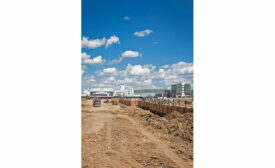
(137, 70)
(182, 67)
(118, 60)
(164, 66)
(148, 82)
(152, 67)
(95, 43)
(109, 70)
(145, 76)
(87, 81)
(131, 54)
(112, 40)
(108, 81)
(83, 68)
(126, 54)
(86, 59)
(143, 33)
(155, 42)
(126, 18)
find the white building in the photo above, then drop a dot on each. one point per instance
(102, 92)
(122, 92)
(111, 92)
(181, 90)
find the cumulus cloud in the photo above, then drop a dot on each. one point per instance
(126, 54)
(83, 68)
(148, 82)
(143, 33)
(131, 54)
(137, 70)
(107, 72)
(86, 59)
(164, 66)
(118, 60)
(112, 40)
(152, 67)
(108, 81)
(175, 73)
(145, 76)
(95, 43)
(183, 67)
(87, 81)
(126, 18)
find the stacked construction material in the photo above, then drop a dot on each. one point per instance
(128, 102)
(162, 108)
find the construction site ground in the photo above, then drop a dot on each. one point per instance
(119, 136)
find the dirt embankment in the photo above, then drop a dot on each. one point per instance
(175, 127)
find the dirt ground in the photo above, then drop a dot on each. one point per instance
(118, 136)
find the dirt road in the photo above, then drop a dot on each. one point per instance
(111, 138)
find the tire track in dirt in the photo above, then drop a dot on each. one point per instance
(163, 147)
(112, 139)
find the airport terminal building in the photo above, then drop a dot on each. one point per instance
(102, 92)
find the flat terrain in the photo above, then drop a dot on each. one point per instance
(118, 136)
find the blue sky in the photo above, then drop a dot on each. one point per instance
(168, 41)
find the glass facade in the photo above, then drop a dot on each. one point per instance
(180, 89)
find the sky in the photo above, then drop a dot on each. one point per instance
(144, 44)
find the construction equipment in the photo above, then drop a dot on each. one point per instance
(88, 97)
(97, 102)
(115, 102)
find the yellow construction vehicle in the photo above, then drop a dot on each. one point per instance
(115, 102)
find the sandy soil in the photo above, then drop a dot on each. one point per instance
(118, 136)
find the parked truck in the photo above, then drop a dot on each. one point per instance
(97, 102)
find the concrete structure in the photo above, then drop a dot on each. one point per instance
(111, 92)
(102, 92)
(122, 92)
(181, 90)
(153, 92)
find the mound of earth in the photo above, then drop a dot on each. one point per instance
(177, 127)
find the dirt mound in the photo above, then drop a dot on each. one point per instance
(180, 125)
(177, 126)
(86, 105)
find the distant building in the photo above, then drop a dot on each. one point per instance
(153, 92)
(123, 92)
(102, 92)
(181, 90)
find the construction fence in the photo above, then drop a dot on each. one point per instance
(160, 107)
